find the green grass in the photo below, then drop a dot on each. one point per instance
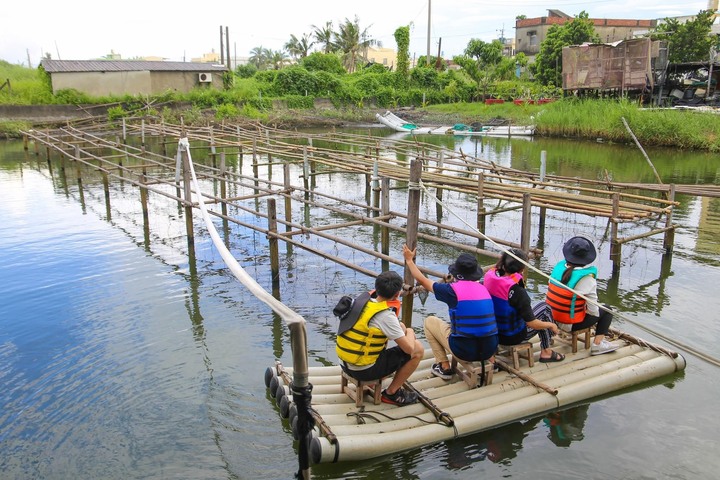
(571, 117)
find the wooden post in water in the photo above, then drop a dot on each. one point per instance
(144, 199)
(669, 238)
(36, 146)
(142, 135)
(481, 209)
(306, 171)
(187, 195)
(223, 184)
(124, 131)
(274, 253)
(255, 162)
(526, 223)
(269, 154)
(240, 146)
(439, 190)
(313, 165)
(25, 142)
(543, 210)
(376, 188)
(368, 183)
(615, 245)
(163, 139)
(385, 207)
(77, 164)
(288, 201)
(413, 217)
(106, 189)
(213, 151)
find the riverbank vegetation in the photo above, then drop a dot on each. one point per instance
(329, 87)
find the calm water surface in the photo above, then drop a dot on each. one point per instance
(121, 357)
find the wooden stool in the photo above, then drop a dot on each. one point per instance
(524, 350)
(374, 387)
(575, 334)
(469, 372)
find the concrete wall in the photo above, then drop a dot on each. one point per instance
(49, 113)
(132, 82)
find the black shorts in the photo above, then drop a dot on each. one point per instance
(389, 361)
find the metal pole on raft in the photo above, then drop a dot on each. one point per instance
(302, 396)
(413, 216)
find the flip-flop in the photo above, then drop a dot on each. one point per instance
(554, 357)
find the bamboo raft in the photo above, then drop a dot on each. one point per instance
(451, 409)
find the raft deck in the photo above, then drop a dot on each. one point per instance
(345, 432)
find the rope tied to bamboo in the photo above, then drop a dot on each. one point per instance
(697, 353)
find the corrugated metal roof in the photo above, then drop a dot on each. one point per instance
(57, 66)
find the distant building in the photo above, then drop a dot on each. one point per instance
(384, 56)
(211, 57)
(131, 77)
(531, 32)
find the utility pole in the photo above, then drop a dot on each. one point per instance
(28, 55)
(427, 60)
(222, 48)
(227, 46)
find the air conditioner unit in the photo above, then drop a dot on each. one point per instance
(205, 77)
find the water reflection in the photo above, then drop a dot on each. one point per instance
(225, 402)
(566, 426)
(499, 445)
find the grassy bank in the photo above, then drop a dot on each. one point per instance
(592, 119)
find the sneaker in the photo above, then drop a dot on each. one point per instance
(438, 371)
(400, 398)
(603, 347)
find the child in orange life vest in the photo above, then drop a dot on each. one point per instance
(570, 311)
(513, 311)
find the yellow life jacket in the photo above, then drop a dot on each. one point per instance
(361, 344)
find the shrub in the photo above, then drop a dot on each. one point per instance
(328, 84)
(226, 110)
(323, 62)
(116, 113)
(295, 81)
(71, 96)
(299, 101)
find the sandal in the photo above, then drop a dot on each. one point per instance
(554, 357)
(401, 397)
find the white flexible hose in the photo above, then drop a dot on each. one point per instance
(285, 312)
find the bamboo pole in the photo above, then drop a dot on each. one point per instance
(416, 166)
(273, 238)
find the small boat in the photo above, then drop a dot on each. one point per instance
(347, 431)
(391, 120)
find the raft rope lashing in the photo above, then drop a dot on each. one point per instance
(285, 312)
(687, 348)
(360, 417)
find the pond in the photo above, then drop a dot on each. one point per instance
(121, 356)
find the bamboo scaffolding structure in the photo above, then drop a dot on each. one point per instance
(362, 155)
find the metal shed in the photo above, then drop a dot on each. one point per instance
(628, 65)
(131, 77)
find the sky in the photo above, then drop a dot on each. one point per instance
(181, 30)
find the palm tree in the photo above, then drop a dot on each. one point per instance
(299, 48)
(277, 58)
(353, 43)
(260, 57)
(324, 36)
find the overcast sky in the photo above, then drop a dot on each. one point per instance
(181, 30)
